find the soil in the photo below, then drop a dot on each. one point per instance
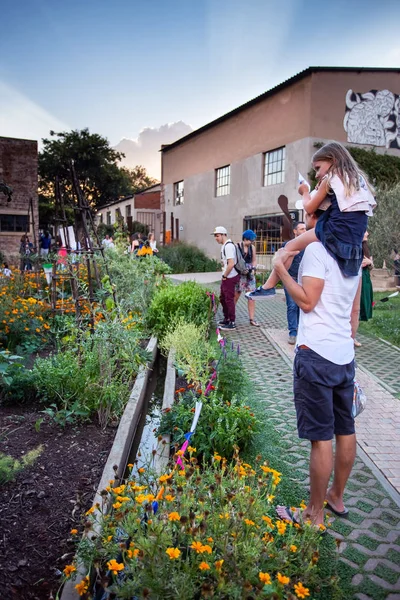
(46, 500)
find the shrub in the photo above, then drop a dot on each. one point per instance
(213, 533)
(187, 258)
(188, 301)
(384, 227)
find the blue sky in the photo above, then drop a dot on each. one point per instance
(120, 66)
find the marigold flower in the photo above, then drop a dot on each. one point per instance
(210, 539)
(281, 527)
(191, 449)
(270, 498)
(170, 498)
(301, 591)
(165, 478)
(83, 586)
(293, 548)
(73, 531)
(196, 546)
(91, 510)
(265, 578)
(114, 566)
(117, 505)
(203, 566)
(282, 579)
(303, 504)
(268, 521)
(218, 564)
(173, 553)
(68, 570)
(249, 522)
(206, 548)
(142, 470)
(174, 516)
(130, 465)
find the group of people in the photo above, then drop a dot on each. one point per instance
(321, 272)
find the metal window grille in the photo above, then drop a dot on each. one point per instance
(269, 231)
(274, 167)
(17, 223)
(109, 218)
(223, 181)
(179, 193)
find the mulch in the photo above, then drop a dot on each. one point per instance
(47, 500)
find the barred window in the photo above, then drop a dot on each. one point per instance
(179, 193)
(17, 223)
(109, 218)
(128, 211)
(274, 166)
(223, 181)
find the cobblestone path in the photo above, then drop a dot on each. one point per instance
(370, 547)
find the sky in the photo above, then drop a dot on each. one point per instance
(159, 68)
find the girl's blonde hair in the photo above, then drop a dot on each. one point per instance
(343, 165)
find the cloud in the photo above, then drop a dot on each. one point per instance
(22, 118)
(145, 149)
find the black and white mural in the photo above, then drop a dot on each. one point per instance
(373, 118)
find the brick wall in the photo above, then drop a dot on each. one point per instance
(18, 169)
(150, 200)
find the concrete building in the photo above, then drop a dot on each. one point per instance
(232, 171)
(19, 170)
(143, 207)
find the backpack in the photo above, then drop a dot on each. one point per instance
(240, 265)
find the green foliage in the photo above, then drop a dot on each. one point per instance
(232, 380)
(384, 227)
(187, 258)
(188, 301)
(138, 227)
(10, 467)
(385, 322)
(9, 366)
(139, 179)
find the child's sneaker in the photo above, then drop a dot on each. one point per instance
(222, 322)
(229, 325)
(261, 293)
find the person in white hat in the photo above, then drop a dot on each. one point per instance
(230, 277)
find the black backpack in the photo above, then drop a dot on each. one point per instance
(240, 265)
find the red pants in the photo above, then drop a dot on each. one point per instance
(227, 297)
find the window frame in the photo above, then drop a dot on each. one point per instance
(223, 174)
(15, 231)
(179, 192)
(273, 176)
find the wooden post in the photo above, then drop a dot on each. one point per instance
(172, 227)
(177, 229)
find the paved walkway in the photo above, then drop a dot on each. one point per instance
(370, 548)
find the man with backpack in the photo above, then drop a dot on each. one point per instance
(230, 277)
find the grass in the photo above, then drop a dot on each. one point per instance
(385, 322)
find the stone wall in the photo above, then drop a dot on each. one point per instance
(18, 169)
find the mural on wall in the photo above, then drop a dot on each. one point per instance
(373, 118)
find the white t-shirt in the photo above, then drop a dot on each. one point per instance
(326, 329)
(228, 250)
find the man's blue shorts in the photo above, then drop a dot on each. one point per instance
(323, 396)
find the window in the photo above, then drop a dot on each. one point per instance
(128, 211)
(17, 223)
(269, 230)
(223, 181)
(274, 166)
(179, 193)
(109, 218)
(101, 217)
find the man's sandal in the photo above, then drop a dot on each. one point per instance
(254, 323)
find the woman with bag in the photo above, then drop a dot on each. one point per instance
(247, 283)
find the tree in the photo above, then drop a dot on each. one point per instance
(139, 179)
(384, 227)
(95, 162)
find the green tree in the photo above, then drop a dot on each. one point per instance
(384, 227)
(99, 175)
(139, 179)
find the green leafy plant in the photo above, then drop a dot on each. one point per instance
(214, 534)
(188, 301)
(232, 380)
(10, 364)
(10, 467)
(187, 258)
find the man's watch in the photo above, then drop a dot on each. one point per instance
(224, 277)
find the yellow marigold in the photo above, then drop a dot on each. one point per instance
(301, 591)
(68, 570)
(114, 566)
(142, 470)
(130, 465)
(270, 498)
(91, 510)
(191, 449)
(140, 498)
(210, 539)
(73, 531)
(174, 516)
(170, 498)
(224, 516)
(217, 457)
(136, 552)
(303, 504)
(165, 478)
(249, 522)
(196, 546)
(265, 578)
(83, 586)
(282, 579)
(218, 564)
(206, 548)
(203, 566)
(281, 527)
(173, 553)
(268, 521)
(293, 548)
(117, 505)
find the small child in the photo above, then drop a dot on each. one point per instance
(348, 199)
(7, 271)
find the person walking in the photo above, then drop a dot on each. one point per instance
(230, 277)
(367, 295)
(292, 310)
(323, 374)
(45, 243)
(247, 283)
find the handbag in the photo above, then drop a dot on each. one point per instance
(359, 400)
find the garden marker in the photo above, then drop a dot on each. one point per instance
(196, 416)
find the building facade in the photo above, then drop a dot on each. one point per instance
(232, 171)
(19, 170)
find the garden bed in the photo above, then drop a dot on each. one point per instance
(47, 500)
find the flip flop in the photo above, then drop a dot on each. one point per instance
(254, 323)
(292, 518)
(339, 513)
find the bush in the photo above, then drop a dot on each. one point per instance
(384, 227)
(188, 301)
(187, 258)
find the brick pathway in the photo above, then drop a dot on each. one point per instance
(370, 550)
